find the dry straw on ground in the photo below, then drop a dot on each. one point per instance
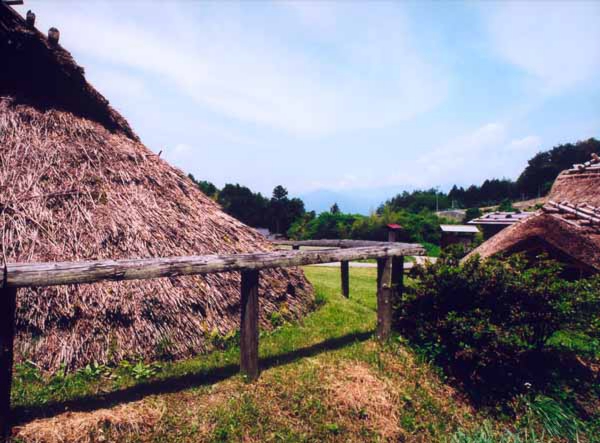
(103, 425)
(361, 399)
(76, 184)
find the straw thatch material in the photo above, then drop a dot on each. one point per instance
(557, 229)
(76, 184)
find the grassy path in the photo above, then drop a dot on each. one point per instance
(323, 379)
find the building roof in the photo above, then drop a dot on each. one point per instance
(394, 226)
(76, 184)
(46, 75)
(569, 222)
(500, 218)
(466, 229)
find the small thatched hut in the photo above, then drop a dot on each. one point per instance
(77, 184)
(567, 228)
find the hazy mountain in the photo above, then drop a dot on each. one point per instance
(359, 201)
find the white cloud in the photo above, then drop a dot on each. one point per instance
(527, 144)
(558, 43)
(486, 152)
(462, 153)
(226, 62)
(483, 153)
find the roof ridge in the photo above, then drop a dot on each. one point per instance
(42, 73)
(584, 214)
(592, 164)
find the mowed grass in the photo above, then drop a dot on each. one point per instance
(324, 378)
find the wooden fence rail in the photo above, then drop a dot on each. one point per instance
(410, 248)
(389, 283)
(337, 243)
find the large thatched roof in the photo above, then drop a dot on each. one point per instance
(76, 184)
(568, 225)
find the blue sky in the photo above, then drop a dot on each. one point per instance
(343, 96)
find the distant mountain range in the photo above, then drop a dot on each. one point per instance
(357, 201)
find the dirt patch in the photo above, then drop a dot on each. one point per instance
(363, 400)
(103, 425)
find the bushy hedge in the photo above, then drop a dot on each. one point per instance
(492, 322)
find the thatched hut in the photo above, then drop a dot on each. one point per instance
(77, 184)
(494, 222)
(567, 228)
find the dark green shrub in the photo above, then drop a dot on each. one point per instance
(490, 323)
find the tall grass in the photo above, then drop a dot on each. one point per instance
(542, 420)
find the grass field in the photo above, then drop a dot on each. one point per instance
(323, 379)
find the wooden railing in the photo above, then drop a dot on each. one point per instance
(390, 259)
(337, 243)
(411, 249)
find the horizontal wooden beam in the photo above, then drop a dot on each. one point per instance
(415, 249)
(12, 2)
(63, 273)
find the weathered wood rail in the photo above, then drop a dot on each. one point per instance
(410, 248)
(336, 243)
(20, 275)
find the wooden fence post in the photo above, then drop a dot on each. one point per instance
(398, 277)
(345, 268)
(8, 303)
(249, 325)
(384, 298)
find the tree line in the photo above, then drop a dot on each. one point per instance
(285, 215)
(535, 180)
(252, 208)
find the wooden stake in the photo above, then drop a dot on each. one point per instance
(8, 303)
(249, 325)
(397, 279)
(345, 278)
(384, 298)
(392, 236)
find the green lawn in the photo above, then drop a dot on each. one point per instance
(323, 379)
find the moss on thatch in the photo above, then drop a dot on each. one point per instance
(78, 185)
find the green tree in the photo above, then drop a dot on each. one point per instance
(506, 206)
(283, 211)
(415, 201)
(279, 193)
(544, 167)
(205, 186)
(277, 208)
(241, 203)
(472, 213)
(335, 209)
(299, 228)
